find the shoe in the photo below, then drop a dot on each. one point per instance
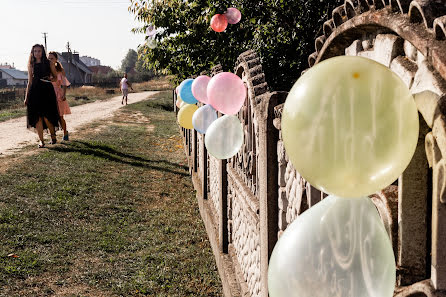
(41, 144)
(65, 137)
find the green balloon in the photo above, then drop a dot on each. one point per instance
(350, 126)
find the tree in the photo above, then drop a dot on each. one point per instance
(129, 62)
(282, 33)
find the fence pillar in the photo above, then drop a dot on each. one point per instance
(268, 185)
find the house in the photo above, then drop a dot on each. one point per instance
(13, 77)
(100, 69)
(89, 61)
(75, 70)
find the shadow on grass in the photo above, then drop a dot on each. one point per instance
(108, 153)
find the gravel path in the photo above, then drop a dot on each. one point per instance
(14, 135)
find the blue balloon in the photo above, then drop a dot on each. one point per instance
(203, 118)
(185, 91)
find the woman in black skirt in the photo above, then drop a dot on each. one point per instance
(40, 98)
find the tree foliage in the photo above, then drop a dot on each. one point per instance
(129, 61)
(281, 32)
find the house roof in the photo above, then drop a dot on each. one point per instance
(15, 73)
(78, 64)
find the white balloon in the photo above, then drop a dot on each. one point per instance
(203, 118)
(224, 137)
(151, 43)
(339, 247)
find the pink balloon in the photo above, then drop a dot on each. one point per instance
(226, 92)
(199, 88)
(176, 89)
(219, 22)
(233, 15)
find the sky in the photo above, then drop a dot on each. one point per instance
(97, 28)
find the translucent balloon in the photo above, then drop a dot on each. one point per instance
(233, 15)
(226, 92)
(151, 31)
(185, 115)
(224, 137)
(350, 126)
(183, 104)
(199, 88)
(219, 22)
(203, 118)
(185, 91)
(339, 247)
(176, 89)
(151, 43)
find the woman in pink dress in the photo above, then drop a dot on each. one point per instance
(60, 84)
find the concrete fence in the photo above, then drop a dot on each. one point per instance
(246, 202)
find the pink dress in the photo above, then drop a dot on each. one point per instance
(63, 106)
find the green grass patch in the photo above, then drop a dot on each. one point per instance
(113, 214)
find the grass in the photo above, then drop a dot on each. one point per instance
(110, 213)
(15, 108)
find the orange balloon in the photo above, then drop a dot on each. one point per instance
(219, 22)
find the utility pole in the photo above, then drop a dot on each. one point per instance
(44, 37)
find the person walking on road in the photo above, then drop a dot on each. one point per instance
(40, 98)
(60, 84)
(125, 85)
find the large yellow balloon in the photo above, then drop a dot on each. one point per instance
(185, 115)
(350, 126)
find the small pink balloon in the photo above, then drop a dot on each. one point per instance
(199, 88)
(176, 89)
(226, 92)
(219, 22)
(233, 15)
(150, 31)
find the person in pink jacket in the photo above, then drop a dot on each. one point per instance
(60, 84)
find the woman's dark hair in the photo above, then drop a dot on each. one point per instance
(59, 67)
(32, 59)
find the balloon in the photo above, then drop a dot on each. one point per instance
(339, 247)
(224, 137)
(203, 118)
(185, 91)
(179, 101)
(219, 22)
(350, 126)
(185, 115)
(176, 89)
(233, 15)
(183, 104)
(151, 31)
(199, 88)
(151, 42)
(226, 93)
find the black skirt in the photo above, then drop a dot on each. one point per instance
(42, 103)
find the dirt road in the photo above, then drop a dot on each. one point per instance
(14, 135)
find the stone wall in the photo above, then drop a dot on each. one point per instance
(249, 200)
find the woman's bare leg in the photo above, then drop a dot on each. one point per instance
(64, 125)
(39, 128)
(51, 128)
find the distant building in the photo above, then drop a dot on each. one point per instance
(7, 66)
(101, 69)
(89, 61)
(76, 71)
(13, 77)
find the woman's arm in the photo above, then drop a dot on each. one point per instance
(30, 79)
(53, 70)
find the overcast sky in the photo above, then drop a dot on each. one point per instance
(95, 28)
